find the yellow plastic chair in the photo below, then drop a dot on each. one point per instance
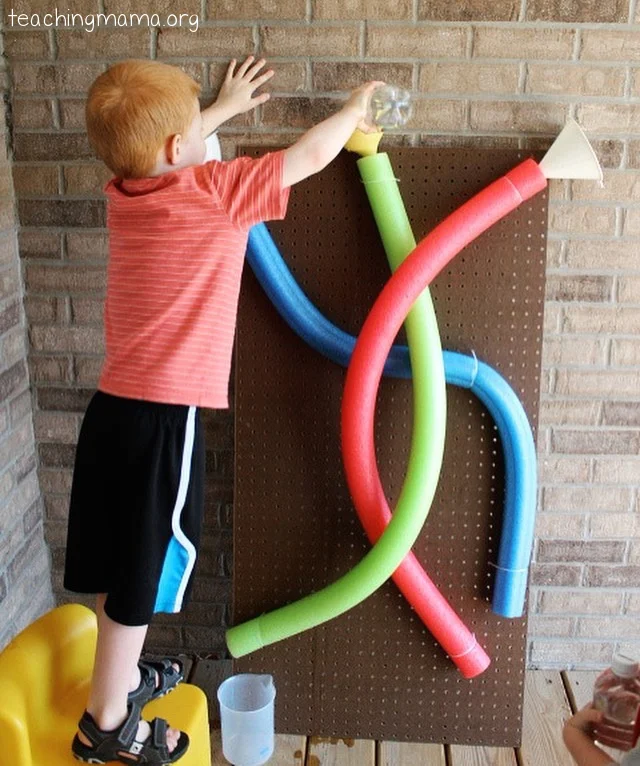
(44, 683)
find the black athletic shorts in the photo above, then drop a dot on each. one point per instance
(136, 506)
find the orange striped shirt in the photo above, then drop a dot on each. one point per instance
(176, 250)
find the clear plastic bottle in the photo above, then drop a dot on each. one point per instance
(616, 694)
(389, 107)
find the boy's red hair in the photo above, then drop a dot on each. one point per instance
(132, 109)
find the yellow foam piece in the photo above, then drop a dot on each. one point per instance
(364, 144)
(44, 682)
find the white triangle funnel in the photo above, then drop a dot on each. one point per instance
(571, 156)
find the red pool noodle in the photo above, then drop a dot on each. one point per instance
(393, 304)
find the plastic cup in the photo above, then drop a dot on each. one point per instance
(246, 718)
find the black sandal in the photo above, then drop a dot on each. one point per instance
(121, 743)
(157, 678)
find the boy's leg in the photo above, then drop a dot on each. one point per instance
(117, 653)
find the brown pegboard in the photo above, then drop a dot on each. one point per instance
(376, 672)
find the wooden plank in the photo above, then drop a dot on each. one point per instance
(579, 685)
(545, 709)
(410, 754)
(331, 751)
(463, 755)
(289, 750)
(579, 688)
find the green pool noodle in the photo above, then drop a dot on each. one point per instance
(427, 447)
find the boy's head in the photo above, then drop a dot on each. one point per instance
(141, 112)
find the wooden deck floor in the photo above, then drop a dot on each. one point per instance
(550, 697)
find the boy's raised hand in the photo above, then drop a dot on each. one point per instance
(358, 101)
(236, 94)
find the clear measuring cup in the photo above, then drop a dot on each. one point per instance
(246, 718)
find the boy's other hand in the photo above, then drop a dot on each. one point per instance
(585, 719)
(236, 94)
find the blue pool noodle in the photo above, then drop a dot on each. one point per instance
(492, 389)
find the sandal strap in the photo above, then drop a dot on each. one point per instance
(159, 734)
(124, 734)
(167, 675)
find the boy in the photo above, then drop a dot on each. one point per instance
(178, 231)
(578, 737)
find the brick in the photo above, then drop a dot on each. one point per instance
(617, 470)
(44, 278)
(71, 77)
(87, 246)
(520, 116)
(621, 186)
(608, 525)
(601, 383)
(518, 43)
(40, 7)
(586, 499)
(9, 317)
(9, 284)
(469, 10)
(575, 80)
(577, 602)
(553, 469)
(87, 371)
(234, 42)
(438, 114)
(112, 42)
(253, 10)
(469, 77)
(402, 41)
(14, 347)
(553, 315)
(572, 350)
(582, 219)
(592, 442)
(13, 380)
(55, 480)
(629, 290)
(612, 577)
(554, 574)
(86, 179)
(56, 427)
(71, 339)
(544, 626)
(608, 118)
(560, 412)
(8, 249)
(32, 113)
(64, 399)
(72, 113)
(613, 628)
(347, 75)
(625, 352)
(601, 255)
(56, 508)
(87, 311)
(578, 11)
(608, 151)
(40, 244)
(631, 222)
(578, 287)
(7, 213)
(610, 45)
(57, 455)
(290, 76)
(42, 310)
(34, 147)
(62, 212)
(560, 524)
(35, 179)
(621, 414)
(633, 158)
(20, 408)
(198, 639)
(26, 44)
(298, 112)
(50, 369)
(618, 320)
(581, 551)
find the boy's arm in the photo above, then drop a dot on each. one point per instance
(236, 94)
(322, 143)
(577, 734)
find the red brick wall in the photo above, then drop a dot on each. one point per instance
(484, 73)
